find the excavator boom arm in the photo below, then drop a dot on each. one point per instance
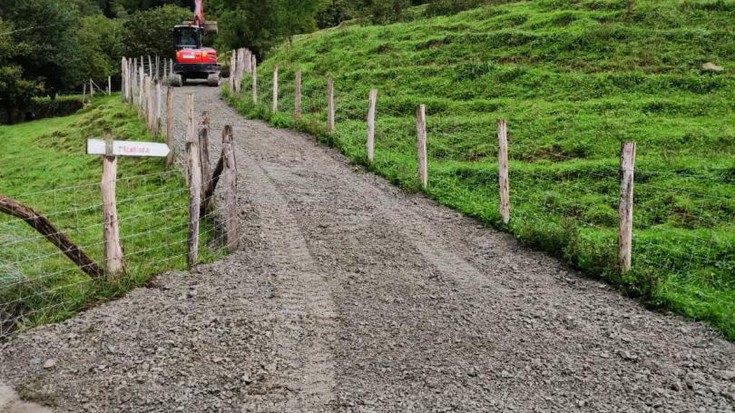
(199, 11)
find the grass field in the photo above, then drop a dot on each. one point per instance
(573, 79)
(43, 164)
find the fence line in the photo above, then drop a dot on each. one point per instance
(307, 99)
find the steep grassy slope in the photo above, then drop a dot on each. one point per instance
(44, 165)
(574, 78)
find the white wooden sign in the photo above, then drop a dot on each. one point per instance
(126, 148)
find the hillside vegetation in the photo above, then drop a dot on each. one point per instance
(573, 78)
(44, 165)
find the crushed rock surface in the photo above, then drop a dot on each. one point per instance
(349, 295)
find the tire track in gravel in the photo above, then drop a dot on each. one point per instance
(306, 317)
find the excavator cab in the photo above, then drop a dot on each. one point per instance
(188, 37)
(193, 59)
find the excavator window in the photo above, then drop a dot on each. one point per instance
(187, 37)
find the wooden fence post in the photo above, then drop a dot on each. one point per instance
(141, 90)
(133, 80)
(170, 125)
(158, 64)
(112, 248)
(421, 145)
(255, 80)
(331, 126)
(124, 80)
(503, 174)
(297, 103)
(248, 61)
(84, 92)
(230, 187)
(373, 101)
(150, 66)
(233, 71)
(625, 232)
(275, 89)
(194, 174)
(91, 88)
(204, 151)
(151, 106)
(158, 108)
(109, 85)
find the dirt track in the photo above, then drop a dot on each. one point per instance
(352, 296)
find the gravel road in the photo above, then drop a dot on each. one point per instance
(349, 295)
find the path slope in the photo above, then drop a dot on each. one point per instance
(349, 295)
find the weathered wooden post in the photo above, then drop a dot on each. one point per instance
(248, 67)
(331, 126)
(158, 108)
(141, 91)
(421, 145)
(625, 232)
(233, 71)
(170, 124)
(150, 66)
(255, 80)
(158, 64)
(91, 89)
(230, 184)
(373, 101)
(124, 80)
(110, 150)
(275, 90)
(297, 103)
(503, 174)
(109, 85)
(84, 92)
(194, 174)
(133, 81)
(151, 113)
(204, 152)
(114, 264)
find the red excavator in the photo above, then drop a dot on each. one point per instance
(193, 60)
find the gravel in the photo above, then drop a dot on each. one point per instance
(349, 295)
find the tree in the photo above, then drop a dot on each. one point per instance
(48, 46)
(148, 33)
(262, 24)
(297, 16)
(15, 90)
(333, 12)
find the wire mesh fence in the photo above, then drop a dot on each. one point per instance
(39, 283)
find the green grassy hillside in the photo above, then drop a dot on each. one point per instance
(573, 78)
(43, 164)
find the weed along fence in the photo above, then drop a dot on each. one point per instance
(618, 202)
(133, 216)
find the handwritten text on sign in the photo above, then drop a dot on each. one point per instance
(125, 148)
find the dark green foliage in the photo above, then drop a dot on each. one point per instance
(261, 24)
(148, 33)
